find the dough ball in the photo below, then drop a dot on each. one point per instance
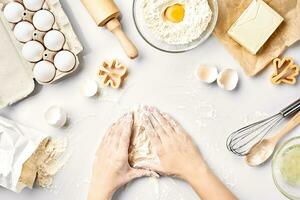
(33, 51)
(44, 71)
(64, 61)
(23, 31)
(43, 20)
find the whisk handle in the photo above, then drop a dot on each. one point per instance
(291, 109)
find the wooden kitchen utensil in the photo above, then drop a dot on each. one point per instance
(106, 13)
(263, 150)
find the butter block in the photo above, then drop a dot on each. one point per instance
(255, 26)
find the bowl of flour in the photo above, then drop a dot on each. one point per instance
(175, 25)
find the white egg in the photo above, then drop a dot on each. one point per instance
(55, 116)
(228, 79)
(13, 12)
(43, 20)
(54, 40)
(44, 71)
(33, 5)
(33, 51)
(23, 31)
(89, 88)
(64, 61)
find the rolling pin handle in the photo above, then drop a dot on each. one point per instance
(114, 26)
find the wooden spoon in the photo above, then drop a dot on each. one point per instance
(263, 150)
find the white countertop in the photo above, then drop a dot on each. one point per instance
(168, 82)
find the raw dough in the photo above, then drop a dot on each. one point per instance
(141, 151)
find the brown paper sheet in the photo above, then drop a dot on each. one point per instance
(287, 34)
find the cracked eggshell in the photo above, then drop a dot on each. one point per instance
(55, 116)
(43, 20)
(64, 61)
(207, 73)
(13, 12)
(89, 88)
(23, 31)
(228, 79)
(44, 71)
(54, 40)
(33, 51)
(33, 5)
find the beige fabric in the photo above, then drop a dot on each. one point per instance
(287, 34)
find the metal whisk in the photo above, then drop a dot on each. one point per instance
(242, 140)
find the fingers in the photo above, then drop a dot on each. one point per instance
(174, 124)
(156, 125)
(126, 131)
(164, 123)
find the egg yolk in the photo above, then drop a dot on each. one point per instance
(175, 13)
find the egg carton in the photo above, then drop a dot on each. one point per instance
(61, 24)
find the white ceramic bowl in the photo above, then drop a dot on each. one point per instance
(154, 42)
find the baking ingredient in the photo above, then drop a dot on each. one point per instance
(33, 51)
(64, 61)
(43, 20)
(17, 144)
(33, 5)
(112, 73)
(286, 71)
(290, 165)
(141, 151)
(207, 73)
(255, 26)
(44, 71)
(175, 13)
(23, 31)
(13, 12)
(55, 116)
(54, 40)
(228, 79)
(186, 20)
(89, 88)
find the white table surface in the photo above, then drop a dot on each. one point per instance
(168, 82)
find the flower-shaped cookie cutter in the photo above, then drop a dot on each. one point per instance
(112, 73)
(286, 71)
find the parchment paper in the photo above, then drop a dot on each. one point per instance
(287, 34)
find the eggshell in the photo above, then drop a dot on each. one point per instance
(33, 51)
(54, 40)
(23, 31)
(13, 12)
(89, 88)
(207, 73)
(228, 79)
(43, 20)
(33, 5)
(44, 71)
(64, 61)
(55, 116)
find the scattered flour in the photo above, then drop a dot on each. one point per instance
(197, 17)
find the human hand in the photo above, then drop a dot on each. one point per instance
(111, 169)
(178, 155)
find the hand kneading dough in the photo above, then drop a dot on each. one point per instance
(141, 151)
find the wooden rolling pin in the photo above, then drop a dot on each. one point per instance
(106, 13)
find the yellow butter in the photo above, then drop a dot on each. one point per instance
(255, 26)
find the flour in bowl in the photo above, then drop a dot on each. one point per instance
(176, 22)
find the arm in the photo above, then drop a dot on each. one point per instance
(180, 157)
(111, 169)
